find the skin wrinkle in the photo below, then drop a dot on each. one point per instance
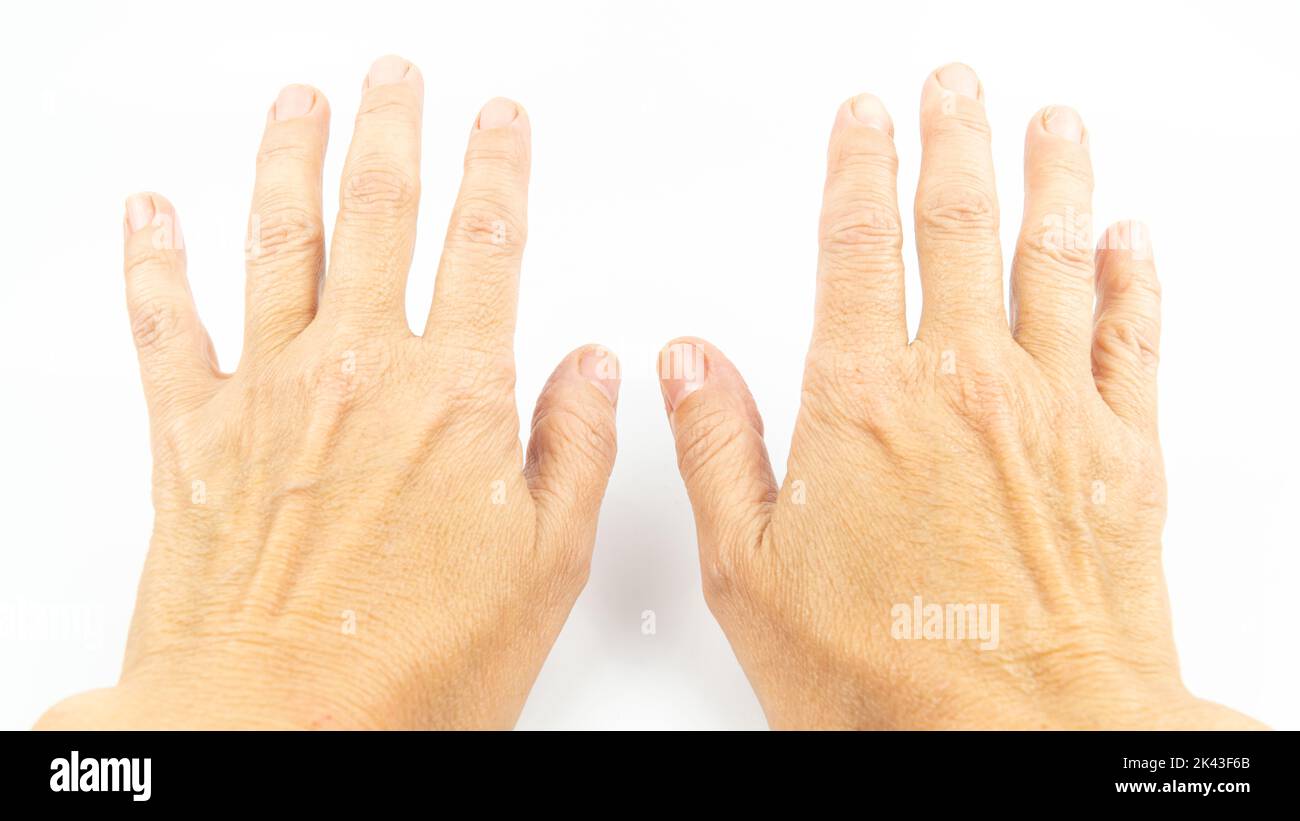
(960, 470)
(347, 534)
(344, 536)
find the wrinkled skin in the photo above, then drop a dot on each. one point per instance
(990, 462)
(347, 533)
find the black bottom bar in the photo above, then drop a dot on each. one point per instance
(551, 770)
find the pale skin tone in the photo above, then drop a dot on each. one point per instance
(349, 534)
(992, 460)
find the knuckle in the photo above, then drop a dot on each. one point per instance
(727, 579)
(1127, 339)
(862, 224)
(718, 577)
(853, 159)
(341, 374)
(381, 186)
(576, 426)
(954, 205)
(499, 156)
(708, 435)
(833, 378)
(1147, 284)
(282, 228)
(1137, 280)
(572, 570)
(389, 104)
(844, 386)
(481, 378)
(279, 152)
(488, 224)
(154, 321)
(148, 258)
(1056, 249)
(982, 395)
(1070, 171)
(960, 126)
(959, 121)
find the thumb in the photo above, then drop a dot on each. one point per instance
(720, 448)
(571, 448)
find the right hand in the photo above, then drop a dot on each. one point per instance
(1009, 473)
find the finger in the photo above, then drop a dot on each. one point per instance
(177, 363)
(379, 198)
(1126, 334)
(477, 291)
(286, 235)
(1052, 275)
(571, 449)
(720, 449)
(957, 210)
(860, 270)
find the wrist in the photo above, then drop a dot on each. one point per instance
(124, 707)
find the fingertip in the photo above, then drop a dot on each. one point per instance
(1130, 239)
(1126, 331)
(865, 110)
(1126, 235)
(501, 112)
(1059, 122)
(139, 212)
(152, 214)
(952, 102)
(295, 101)
(954, 79)
(719, 439)
(599, 366)
(392, 69)
(683, 369)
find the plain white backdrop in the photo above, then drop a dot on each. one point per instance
(678, 164)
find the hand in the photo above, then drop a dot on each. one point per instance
(969, 529)
(346, 532)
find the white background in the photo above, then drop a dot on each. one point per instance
(678, 164)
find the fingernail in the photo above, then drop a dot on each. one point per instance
(1127, 235)
(682, 371)
(868, 110)
(599, 366)
(387, 70)
(139, 212)
(143, 212)
(498, 112)
(959, 78)
(1064, 122)
(1139, 239)
(1116, 237)
(294, 101)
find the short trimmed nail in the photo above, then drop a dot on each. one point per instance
(1139, 239)
(387, 70)
(959, 78)
(682, 371)
(1127, 235)
(139, 211)
(868, 110)
(599, 366)
(498, 112)
(1064, 122)
(294, 101)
